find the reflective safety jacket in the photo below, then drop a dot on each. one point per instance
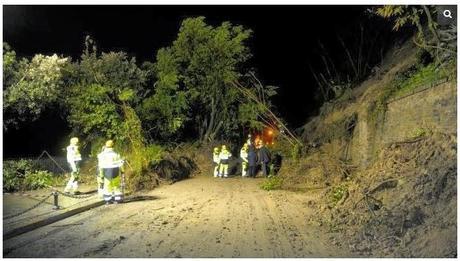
(73, 154)
(224, 156)
(215, 157)
(109, 159)
(244, 154)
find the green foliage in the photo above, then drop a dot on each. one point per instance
(165, 111)
(22, 174)
(30, 86)
(141, 163)
(416, 77)
(102, 103)
(113, 69)
(418, 132)
(407, 82)
(133, 140)
(247, 115)
(14, 172)
(103, 88)
(196, 73)
(415, 15)
(272, 183)
(402, 15)
(337, 193)
(38, 179)
(154, 153)
(296, 152)
(11, 181)
(11, 66)
(249, 112)
(92, 111)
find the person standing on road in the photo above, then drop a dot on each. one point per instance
(244, 160)
(74, 159)
(224, 158)
(112, 165)
(252, 161)
(216, 160)
(264, 159)
(99, 174)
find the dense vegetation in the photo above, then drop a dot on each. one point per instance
(188, 93)
(199, 88)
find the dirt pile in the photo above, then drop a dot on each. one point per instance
(320, 169)
(403, 205)
(174, 169)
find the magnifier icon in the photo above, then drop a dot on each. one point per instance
(447, 13)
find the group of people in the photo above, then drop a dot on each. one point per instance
(252, 155)
(109, 170)
(110, 166)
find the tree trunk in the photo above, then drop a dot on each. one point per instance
(431, 24)
(212, 121)
(419, 26)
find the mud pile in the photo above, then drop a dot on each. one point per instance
(320, 169)
(174, 169)
(403, 205)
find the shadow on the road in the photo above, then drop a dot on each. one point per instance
(86, 192)
(139, 198)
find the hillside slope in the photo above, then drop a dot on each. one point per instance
(382, 161)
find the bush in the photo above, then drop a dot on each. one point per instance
(38, 179)
(23, 174)
(14, 172)
(272, 182)
(418, 132)
(296, 151)
(11, 180)
(153, 153)
(141, 163)
(338, 193)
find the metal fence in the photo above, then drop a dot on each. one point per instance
(57, 165)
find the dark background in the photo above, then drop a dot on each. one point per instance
(284, 42)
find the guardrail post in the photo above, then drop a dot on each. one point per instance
(56, 200)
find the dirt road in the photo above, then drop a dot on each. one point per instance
(199, 217)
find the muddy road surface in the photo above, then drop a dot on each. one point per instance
(199, 217)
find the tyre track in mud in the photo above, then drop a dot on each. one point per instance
(200, 217)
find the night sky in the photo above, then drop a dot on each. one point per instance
(284, 41)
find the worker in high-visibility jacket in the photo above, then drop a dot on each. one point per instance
(244, 160)
(216, 160)
(224, 157)
(74, 159)
(111, 165)
(249, 140)
(100, 174)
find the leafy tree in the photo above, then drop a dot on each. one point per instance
(403, 15)
(253, 112)
(164, 112)
(103, 87)
(101, 101)
(30, 86)
(197, 73)
(11, 66)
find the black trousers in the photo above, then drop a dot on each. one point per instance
(265, 169)
(252, 171)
